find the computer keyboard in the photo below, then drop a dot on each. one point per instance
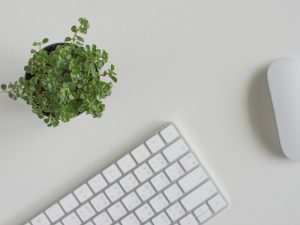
(160, 182)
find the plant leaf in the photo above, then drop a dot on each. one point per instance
(67, 39)
(45, 40)
(80, 38)
(115, 79)
(74, 28)
(3, 87)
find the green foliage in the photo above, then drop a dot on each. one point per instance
(67, 81)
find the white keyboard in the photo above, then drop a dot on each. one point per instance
(161, 182)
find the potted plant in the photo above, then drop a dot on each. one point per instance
(63, 80)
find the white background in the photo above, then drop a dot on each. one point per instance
(201, 64)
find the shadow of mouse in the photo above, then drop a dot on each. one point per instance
(261, 113)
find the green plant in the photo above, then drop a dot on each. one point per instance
(67, 81)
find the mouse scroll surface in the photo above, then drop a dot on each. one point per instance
(284, 84)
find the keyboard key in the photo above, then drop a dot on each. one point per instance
(193, 179)
(175, 211)
(159, 202)
(143, 172)
(203, 213)
(114, 192)
(85, 212)
(144, 212)
(145, 191)
(131, 201)
(40, 220)
(217, 203)
(97, 183)
(100, 202)
(160, 181)
(189, 220)
(117, 211)
(140, 153)
(130, 220)
(83, 193)
(112, 173)
(169, 134)
(174, 171)
(103, 219)
(201, 209)
(199, 195)
(157, 162)
(189, 161)
(129, 182)
(175, 150)
(161, 219)
(155, 143)
(205, 216)
(126, 163)
(71, 219)
(55, 212)
(173, 193)
(69, 203)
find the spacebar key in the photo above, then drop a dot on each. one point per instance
(199, 195)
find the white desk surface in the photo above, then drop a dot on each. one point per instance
(201, 64)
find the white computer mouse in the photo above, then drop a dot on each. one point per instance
(284, 84)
